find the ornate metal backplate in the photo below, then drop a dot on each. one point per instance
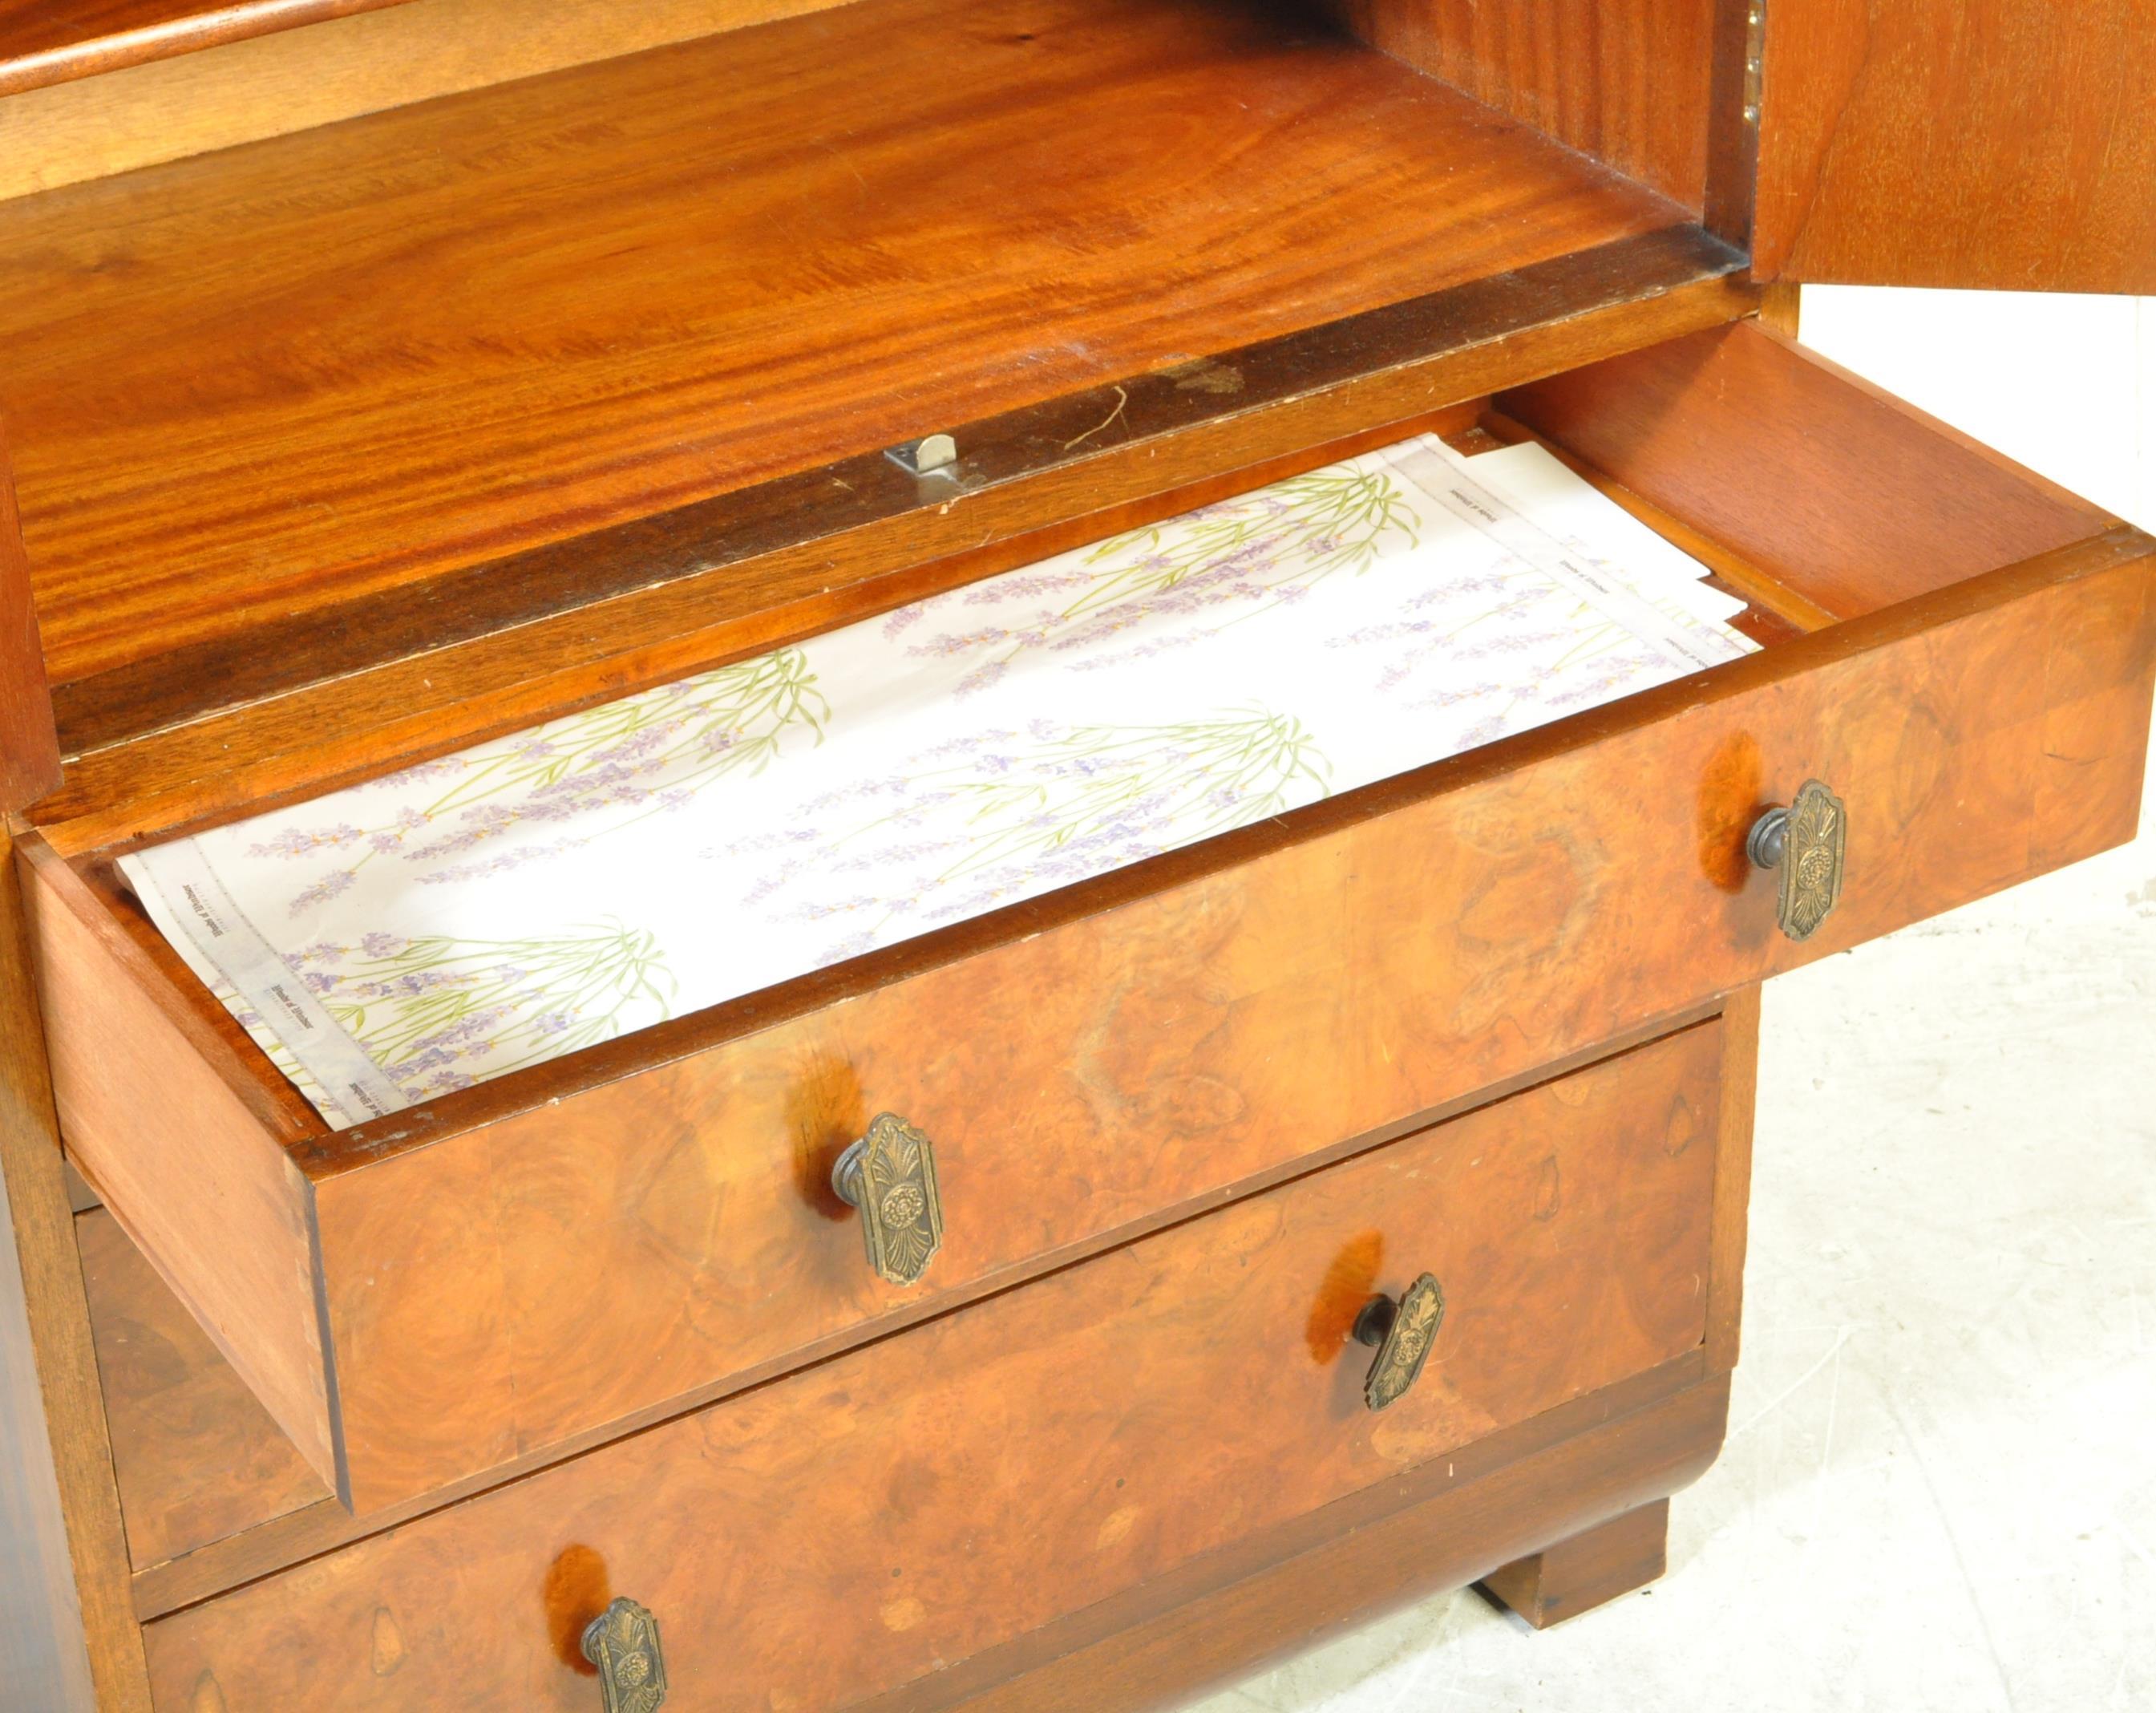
(623, 1642)
(1813, 844)
(890, 1176)
(1406, 1344)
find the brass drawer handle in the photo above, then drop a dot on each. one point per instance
(623, 1642)
(1806, 842)
(890, 1176)
(1403, 1331)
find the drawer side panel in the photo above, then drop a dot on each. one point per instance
(196, 1456)
(183, 1158)
(1841, 493)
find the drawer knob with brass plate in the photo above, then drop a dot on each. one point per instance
(890, 1176)
(1805, 842)
(1403, 1330)
(623, 1642)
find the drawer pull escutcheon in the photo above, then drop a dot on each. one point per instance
(1403, 1331)
(890, 1176)
(623, 1642)
(1806, 842)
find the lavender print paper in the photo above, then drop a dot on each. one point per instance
(482, 913)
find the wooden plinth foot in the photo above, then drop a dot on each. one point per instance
(1578, 1575)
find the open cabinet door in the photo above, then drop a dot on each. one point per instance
(2002, 143)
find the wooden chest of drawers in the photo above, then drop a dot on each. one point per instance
(1185, 1405)
(357, 442)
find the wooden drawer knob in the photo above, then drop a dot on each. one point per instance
(890, 1176)
(623, 1642)
(1403, 1330)
(1805, 842)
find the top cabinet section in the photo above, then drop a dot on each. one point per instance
(404, 418)
(2002, 143)
(369, 393)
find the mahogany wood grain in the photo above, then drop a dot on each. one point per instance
(856, 1526)
(187, 1150)
(196, 1456)
(1181, 1632)
(392, 54)
(1627, 81)
(2005, 143)
(254, 1528)
(29, 746)
(1586, 1570)
(52, 41)
(1445, 929)
(1072, 464)
(68, 1636)
(1834, 491)
(278, 379)
(420, 670)
(1777, 611)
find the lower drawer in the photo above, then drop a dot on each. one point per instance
(861, 1524)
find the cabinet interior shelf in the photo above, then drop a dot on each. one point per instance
(285, 412)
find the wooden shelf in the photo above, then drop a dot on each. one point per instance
(268, 404)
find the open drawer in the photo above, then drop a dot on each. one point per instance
(1960, 652)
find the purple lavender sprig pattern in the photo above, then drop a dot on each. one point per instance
(1007, 813)
(1459, 645)
(1012, 796)
(579, 778)
(432, 1010)
(714, 838)
(1230, 559)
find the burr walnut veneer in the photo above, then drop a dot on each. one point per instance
(440, 397)
(1033, 1455)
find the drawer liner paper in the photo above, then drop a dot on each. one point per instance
(523, 898)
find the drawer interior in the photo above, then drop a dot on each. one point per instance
(499, 909)
(1811, 497)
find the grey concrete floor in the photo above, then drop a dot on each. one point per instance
(1938, 1492)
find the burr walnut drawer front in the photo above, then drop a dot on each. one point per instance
(1962, 658)
(865, 1522)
